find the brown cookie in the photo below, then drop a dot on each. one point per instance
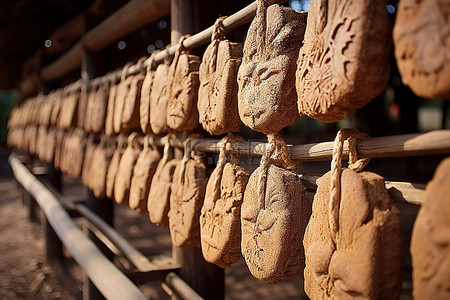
(344, 61)
(182, 113)
(119, 103)
(101, 158)
(158, 100)
(217, 95)
(122, 181)
(430, 243)
(365, 260)
(143, 173)
(186, 200)
(97, 122)
(272, 234)
(266, 77)
(109, 126)
(422, 45)
(144, 106)
(220, 220)
(158, 203)
(130, 113)
(112, 170)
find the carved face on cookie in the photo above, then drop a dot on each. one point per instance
(270, 235)
(220, 222)
(344, 61)
(266, 75)
(422, 46)
(182, 113)
(353, 265)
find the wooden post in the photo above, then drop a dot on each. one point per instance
(205, 278)
(94, 65)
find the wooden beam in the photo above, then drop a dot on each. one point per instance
(104, 274)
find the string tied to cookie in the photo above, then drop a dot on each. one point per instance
(277, 152)
(336, 170)
(223, 145)
(188, 146)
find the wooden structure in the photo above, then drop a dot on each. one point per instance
(185, 273)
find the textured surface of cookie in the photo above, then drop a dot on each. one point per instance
(220, 220)
(158, 100)
(182, 113)
(144, 106)
(159, 196)
(109, 126)
(344, 61)
(99, 167)
(142, 177)
(266, 77)
(422, 46)
(272, 235)
(217, 94)
(122, 181)
(430, 243)
(130, 113)
(119, 103)
(112, 171)
(97, 122)
(366, 259)
(186, 200)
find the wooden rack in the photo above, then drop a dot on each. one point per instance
(120, 24)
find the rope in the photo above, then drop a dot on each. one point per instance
(223, 159)
(276, 152)
(336, 169)
(218, 30)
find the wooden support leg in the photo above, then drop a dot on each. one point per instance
(206, 279)
(53, 245)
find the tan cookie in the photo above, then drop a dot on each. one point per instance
(158, 100)
(422, 46)
(272, 234)
(143, 173)
(182, 113)
(365, 261)
(344, 62)
(430, 243)
(220, 220)
(266, 77)
(186, 200)
(217, 95)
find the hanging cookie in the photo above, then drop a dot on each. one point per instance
(158, 97)
(130, 113)
(122, 181)
(114, 165)
(217, 94)
(90, 110)
(87, 160)
(98, 117)
(266, 78)
(68, 115)
(143, 173)
(220, 219)
(344, 62)
(119, 103)
(422, 46)
(109, 121)
(158, 203)
(274, 216)
(101, 158)
(430, 243)
(186, 198)
(144, 106)
(182, 113)
(353, 240)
